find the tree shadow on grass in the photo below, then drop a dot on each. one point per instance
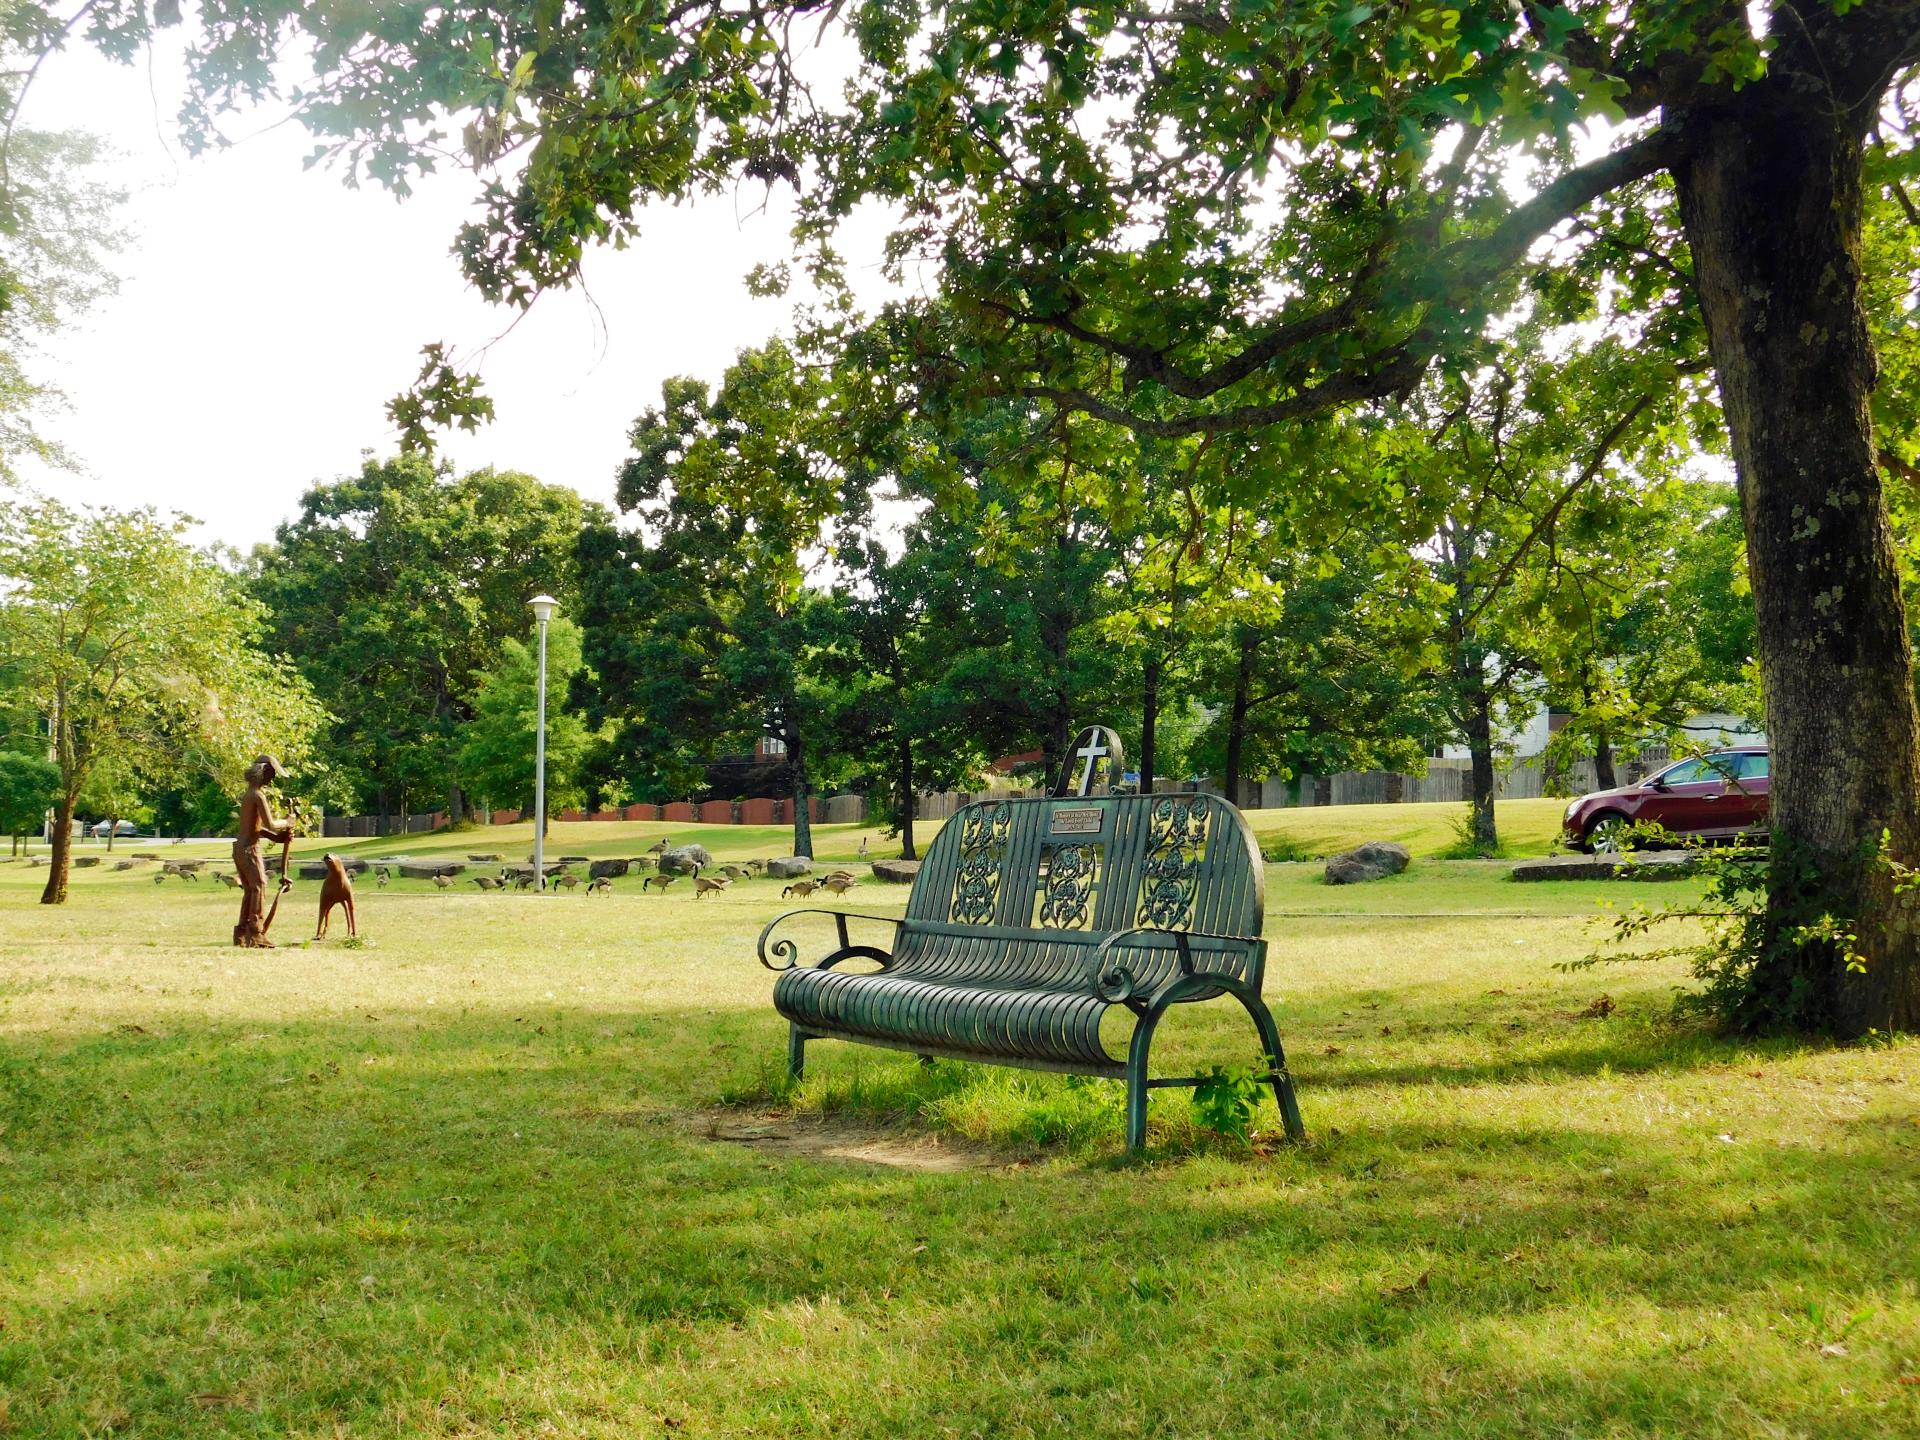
(486, 1231)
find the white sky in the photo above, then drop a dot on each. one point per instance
(267, 313)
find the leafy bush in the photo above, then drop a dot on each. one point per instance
(1774, 934)
(1225, 1100)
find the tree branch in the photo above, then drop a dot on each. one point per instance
(1470, 265)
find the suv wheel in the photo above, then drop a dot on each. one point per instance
(1607, 833)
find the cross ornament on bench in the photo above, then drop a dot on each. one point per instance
(1094, 746)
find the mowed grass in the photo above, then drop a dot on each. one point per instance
(1526, 827)
(463, 1179)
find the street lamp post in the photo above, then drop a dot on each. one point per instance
(544, 607)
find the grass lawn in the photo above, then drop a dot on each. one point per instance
(478, 1176)
(1527, 827)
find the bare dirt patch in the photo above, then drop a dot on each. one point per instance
(842, 1138)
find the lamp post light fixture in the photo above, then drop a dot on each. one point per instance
(544, 607)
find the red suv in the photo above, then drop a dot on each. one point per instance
(1713, 797)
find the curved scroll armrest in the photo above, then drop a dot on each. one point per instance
(785, 954)
(1115, 983)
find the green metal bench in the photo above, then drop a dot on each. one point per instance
(1030, 919)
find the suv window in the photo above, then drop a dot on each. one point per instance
(1689, 772)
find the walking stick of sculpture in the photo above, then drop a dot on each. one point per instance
(286, 879)
(257, 826)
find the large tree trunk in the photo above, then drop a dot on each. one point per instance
(797, 770)
(1479, 732)
(1604, 776)
(55, 892)
(1149, 722)
(907, 798)
(1237, 716)
(1770, 196)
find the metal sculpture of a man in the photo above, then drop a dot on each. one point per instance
(258, 827)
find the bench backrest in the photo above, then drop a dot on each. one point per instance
(1018, 891)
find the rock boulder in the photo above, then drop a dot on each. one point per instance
(790, 867)
(896, 872)
(684, 859)
(427, 869)
(607, 869)
(1374, 860)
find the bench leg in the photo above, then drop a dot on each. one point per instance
(1136, 1106)
(1137, 1079)
(796, 1051)
(1269, 1033)
(1276, 1057)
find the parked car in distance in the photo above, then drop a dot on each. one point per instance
(1711, 797)
(122, 829)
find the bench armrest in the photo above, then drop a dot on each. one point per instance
(785, 954)
(1115, 983)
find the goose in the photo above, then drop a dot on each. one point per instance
(600, 885)
(838, 884)
(443, 882)
(708, 887)
(802, 888)
(661, 880)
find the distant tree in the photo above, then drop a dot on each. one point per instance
(882, 669)
(1669, 634)
(393, 591)
(114, 792)
(1332, 676)
(497, 745)
(697, 620)
(141, 652)
(1532, 463)
(29, 787)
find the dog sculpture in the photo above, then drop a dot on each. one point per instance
(336, 889)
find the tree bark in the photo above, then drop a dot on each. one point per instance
(1149, 722)
(1770, 195)
(797, 772)
(907, 797)
(1604, 776)
(1479, 728)
(1237, 717)
(55, 892)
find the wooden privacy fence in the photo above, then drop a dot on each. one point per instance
(1446, 782)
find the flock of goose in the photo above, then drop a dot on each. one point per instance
(836, 882)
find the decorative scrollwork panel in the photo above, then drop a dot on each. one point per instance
(1069, 879)
(1176, 849)
(983, 846)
